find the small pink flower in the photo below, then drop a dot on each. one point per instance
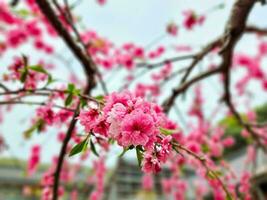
(124, 98)
(101, 127)
(228, 142)
(138, 53)
(165, 149)
(88, 118)
(263, 48)
(151, 164)
(136, 129)
(34, 159)
(147, 181)
(191, 19)
(101, 2)
(167, 185)
(63, 115)
(172, 29)
(47, 114)
(194, 146)
(128, 62)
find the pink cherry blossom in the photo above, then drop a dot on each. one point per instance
(34, 160)
(87, 118)
(136, 129)
(147, 181)
(192, 19)
(151, 164)
(172, 29)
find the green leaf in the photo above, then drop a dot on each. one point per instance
(71, 87)
(139, 155)
(29, 132)
(211, 175)
(125, 149)
(40, 125)
(214, 174)
(92, 146)
(228, 197)
(68, 100)
(23, 75)
(23, 13)
(218, 173)
(38, 68)
(83, 102)
(49, 80)
(165, 131)
(37, 126)
(99, 98)
(111, 141)
(80, 147)
(205, 148)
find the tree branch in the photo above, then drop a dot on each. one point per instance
(199, 56)
(69, 19)
(203, 161)
(169, 60)
(90, 71)
(233, 31)
(5, 88)
(86, 61)
(170, 101)
(33, 103)
(256, 30)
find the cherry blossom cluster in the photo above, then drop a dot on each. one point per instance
(31, 76)
(253, 66)
(22, 26)
(131, 122)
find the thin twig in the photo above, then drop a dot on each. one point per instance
(255, 29)
(33, 103)
(203, 161)
(5, 88)
(168, 103)
(90, 72)
(166, 61)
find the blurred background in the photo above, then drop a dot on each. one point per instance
(143, 23)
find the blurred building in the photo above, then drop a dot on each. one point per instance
(15, 185)
(125, 183)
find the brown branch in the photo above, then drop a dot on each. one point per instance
(166, 61)
(86, 61)
(199, 56)
(89, 69)
(247, 126)
(5, 88)
(167, 104)
(256, 30)
(63, 152)
(68, 18)
(14, 3)
(203, 161)
(8, 102)
(233, 31)
(44, 92)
